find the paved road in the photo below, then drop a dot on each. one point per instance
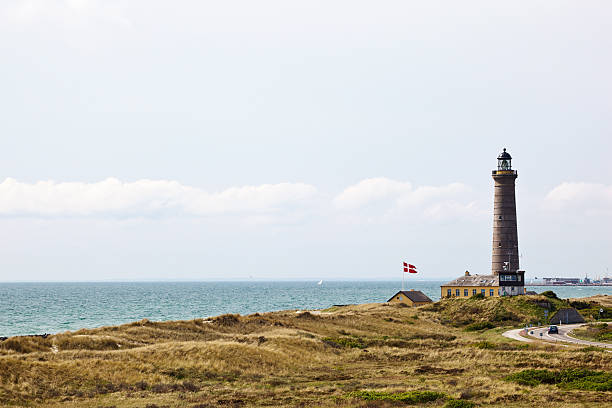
(541, 333)
(564, 330)
(515, 335)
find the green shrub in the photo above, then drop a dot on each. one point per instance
(571, 379)
(455, 403)
(485, 345)
(592, 348)
(549, 294)
(345, 342)
(578, 304)
(503, 315)
(479, 326)
(410, 397)
(478, 296)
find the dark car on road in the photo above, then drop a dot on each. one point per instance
(553, 330)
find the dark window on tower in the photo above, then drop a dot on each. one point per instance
(499, 245)
(500, 217)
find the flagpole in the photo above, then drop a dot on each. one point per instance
(403, 280)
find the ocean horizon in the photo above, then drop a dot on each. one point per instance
(53, 307)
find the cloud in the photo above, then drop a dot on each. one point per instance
(375, 199)
(147, 198)
(583, 198)
(395, 198)
(369, 191)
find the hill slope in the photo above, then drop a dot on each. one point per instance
(329, 358)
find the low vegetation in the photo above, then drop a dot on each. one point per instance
(484, 313)
(601, 332)
(410, 397)
(449, 354)
(455, 403)
(572, 379)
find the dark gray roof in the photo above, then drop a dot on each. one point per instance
(414, 295)
(475, 280)
(504, 155)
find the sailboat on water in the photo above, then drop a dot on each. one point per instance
(320, 282)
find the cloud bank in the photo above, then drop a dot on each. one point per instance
(146, 198)
(390, 198)
(583, 198)
(369, 199)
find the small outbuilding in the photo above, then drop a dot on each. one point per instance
(566, 315)
(410, 297)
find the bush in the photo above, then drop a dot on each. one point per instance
(549, 294)
(578, 304)
(478, 296)
(344, 342)
(455, 403)
(410, 397)
(485, 345)
(227, 319)
(592, 348)
(479, 326)
(571, 379)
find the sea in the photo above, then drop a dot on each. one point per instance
(38, 308)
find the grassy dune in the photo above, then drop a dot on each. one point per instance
(449, 354)
(600, 332)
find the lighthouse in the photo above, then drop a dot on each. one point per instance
(506, 279)
(505, 235)
(505, 256)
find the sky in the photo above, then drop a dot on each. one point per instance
(299, 140)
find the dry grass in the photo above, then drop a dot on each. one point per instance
(604, 300)
(289, 359)
(601, 332)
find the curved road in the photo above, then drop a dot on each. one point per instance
(541, 333)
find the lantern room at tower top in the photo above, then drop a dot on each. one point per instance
(504, 164)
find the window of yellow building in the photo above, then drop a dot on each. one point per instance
(491, 292)
(457, 292)
(465, 292)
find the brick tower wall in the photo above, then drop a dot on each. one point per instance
(505, 235)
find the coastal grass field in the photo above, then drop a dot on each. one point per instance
(447, 354)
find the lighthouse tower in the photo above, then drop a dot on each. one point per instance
(505, 235)
(505, 259)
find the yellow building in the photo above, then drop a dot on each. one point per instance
(411, 297)
(470, 285)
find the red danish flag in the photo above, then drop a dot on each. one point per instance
(409, 268)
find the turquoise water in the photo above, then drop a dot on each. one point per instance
(36, 308)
